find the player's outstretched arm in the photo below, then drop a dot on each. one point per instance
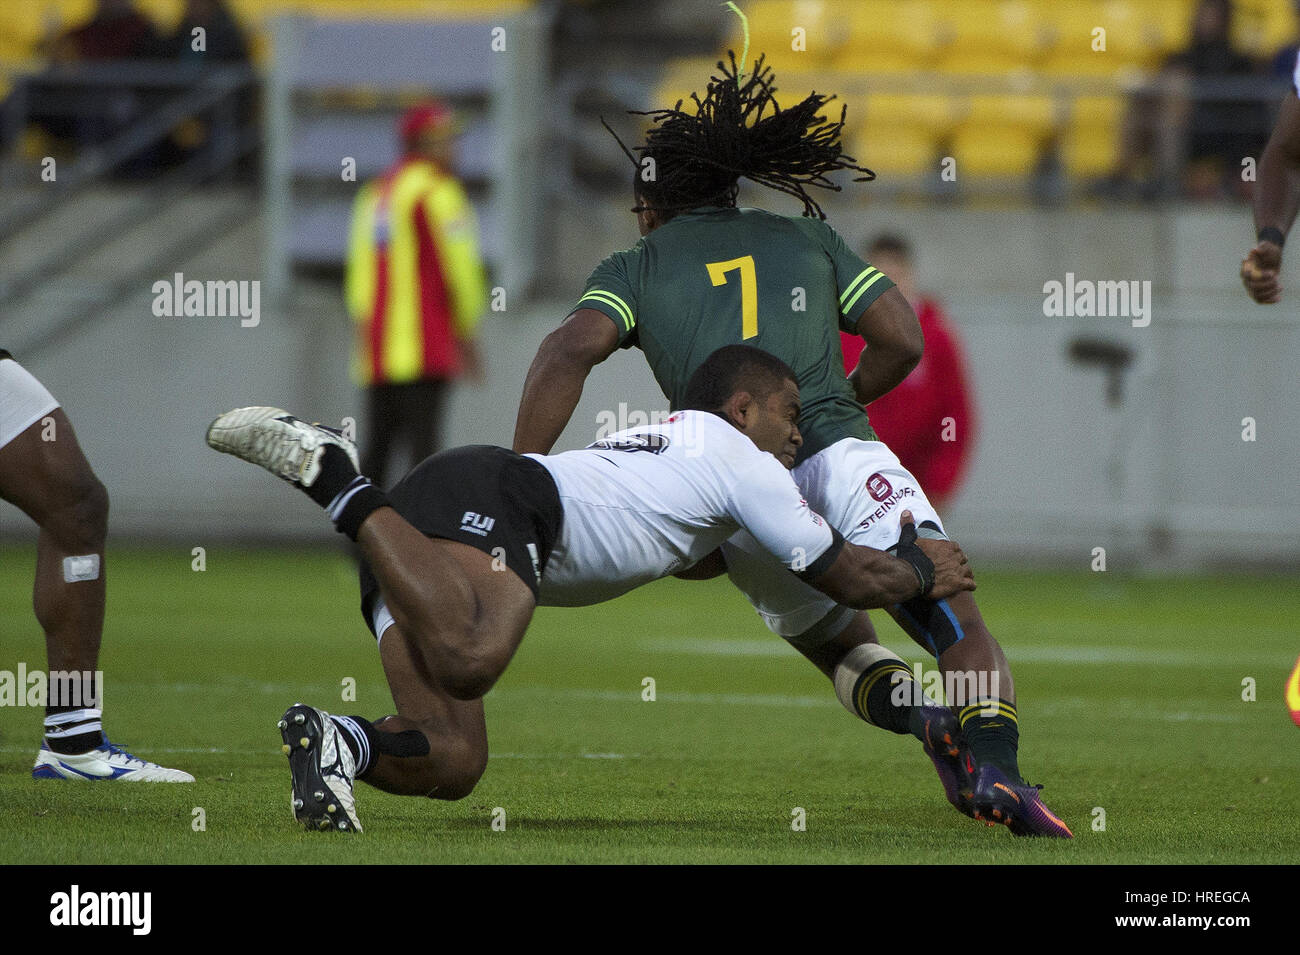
(1277, 198)
(556, 376)
(894, 346)
(865, 578)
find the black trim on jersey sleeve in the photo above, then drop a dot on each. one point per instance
(822, 563)
(610, 292)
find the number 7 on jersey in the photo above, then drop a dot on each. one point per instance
(748, 290)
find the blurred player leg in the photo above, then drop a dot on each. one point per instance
(53, 484)
(424, 418)
(382, 419)
(44, 473)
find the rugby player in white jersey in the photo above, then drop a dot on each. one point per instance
(461, 551)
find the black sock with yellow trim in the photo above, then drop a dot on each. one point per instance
(992, 730)
(886, 694)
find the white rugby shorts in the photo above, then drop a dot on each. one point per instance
(861, 489)
(23, 400)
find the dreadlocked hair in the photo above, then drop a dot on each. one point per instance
(739, 130)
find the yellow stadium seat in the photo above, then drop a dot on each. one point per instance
(893, 61)
(973, 61)
(991, 36)
(402, 9)
(1089, 152)
(164, 13)
(25, 25)
(1262, 29)
(1088, 65)
(896, 153)
(929, 113)
(1096, 111)
(803, 28)
(684, 76)
(901, 31)
(1167, 26)
(1035, 114)
(1071, 26)
(1090, 140)
(995, 151)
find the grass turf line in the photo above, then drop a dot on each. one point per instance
(1129, 694)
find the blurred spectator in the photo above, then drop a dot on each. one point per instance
(416, 288)
(1177, 131)
(116, 31)
(223, 43)
(929, 419)
(223, 40)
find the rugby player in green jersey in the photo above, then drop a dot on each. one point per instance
(707, 274)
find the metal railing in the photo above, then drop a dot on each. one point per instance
(182, 93)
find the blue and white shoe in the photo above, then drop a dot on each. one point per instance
(323, 769)
(271, 438)
(105, 762)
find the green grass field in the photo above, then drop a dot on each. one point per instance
(1130, 700)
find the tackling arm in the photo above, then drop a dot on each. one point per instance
(556, 376)
(865, 578)
(894, 346)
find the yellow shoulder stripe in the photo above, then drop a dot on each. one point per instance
(612, 300)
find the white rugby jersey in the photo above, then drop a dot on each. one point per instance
(647, 502)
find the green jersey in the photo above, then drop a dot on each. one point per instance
(712, 277)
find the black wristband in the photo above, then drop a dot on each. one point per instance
(907, 549)
(1271, 234)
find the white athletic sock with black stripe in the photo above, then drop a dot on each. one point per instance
(358, 740)
(367, 743)
(72, 731)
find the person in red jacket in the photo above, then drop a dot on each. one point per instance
(929, 419)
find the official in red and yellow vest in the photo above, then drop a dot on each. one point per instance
(415, 283)
(416, 288)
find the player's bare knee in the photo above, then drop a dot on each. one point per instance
(471, 676)
(461, 774)
(457, 785)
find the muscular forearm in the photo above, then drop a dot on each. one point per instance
(1277, 197)
(868, 579)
